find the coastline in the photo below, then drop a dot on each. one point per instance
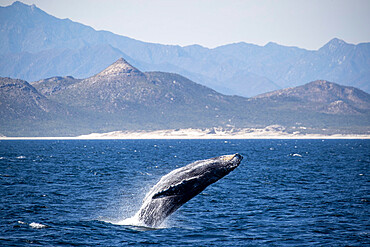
(271, 132)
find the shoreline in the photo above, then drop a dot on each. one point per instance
(188, 138)
(195, 134)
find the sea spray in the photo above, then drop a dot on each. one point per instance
(123, 211)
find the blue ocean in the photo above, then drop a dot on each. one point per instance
(284, 193)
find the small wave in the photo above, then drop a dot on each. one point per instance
(37, 225)
(296, 155)
(21, 157)
(5, 175)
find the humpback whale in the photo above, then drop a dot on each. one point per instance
(182, 184)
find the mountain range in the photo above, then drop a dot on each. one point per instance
(35, 45)
(121, 97)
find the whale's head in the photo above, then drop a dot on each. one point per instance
(231, 161)
(216, 168)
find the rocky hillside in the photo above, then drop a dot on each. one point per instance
(18, 99)
(122, 87)
(52, 85)
(321, 96)
(24, 111)
(121, 97)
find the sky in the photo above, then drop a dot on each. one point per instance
(306, 24)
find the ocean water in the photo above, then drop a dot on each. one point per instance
(284, 193)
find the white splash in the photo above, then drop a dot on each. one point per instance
(135, 222)
(37, 225)
(132, 221)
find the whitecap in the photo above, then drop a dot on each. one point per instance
(37, 225)
(297, 155)
(21, 157)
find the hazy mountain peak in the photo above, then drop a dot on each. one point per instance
(271, 44)
(19, 6)
(120, 67)
(336, 41)
(334, 44)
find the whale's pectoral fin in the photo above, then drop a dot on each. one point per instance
(177, 189)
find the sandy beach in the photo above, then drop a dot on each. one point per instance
(270, 132)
